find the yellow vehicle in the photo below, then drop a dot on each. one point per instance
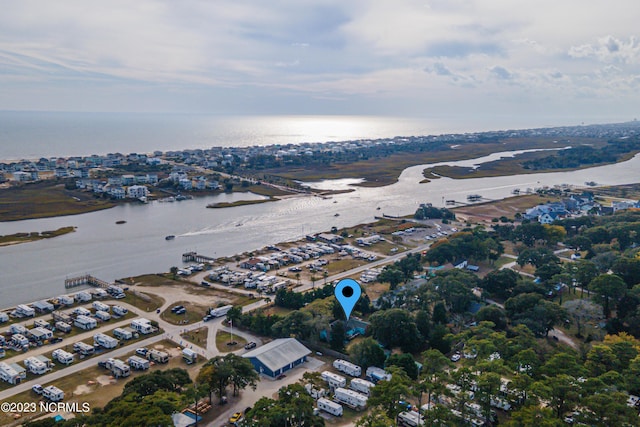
(235, 417)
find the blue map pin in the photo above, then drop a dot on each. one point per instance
(347, 293)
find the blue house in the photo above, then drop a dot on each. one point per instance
(278, 356)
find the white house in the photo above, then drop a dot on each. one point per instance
(137, 192)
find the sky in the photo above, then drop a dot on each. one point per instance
(460, 58)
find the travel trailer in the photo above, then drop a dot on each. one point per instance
(83, 348)
(105, 341)
(85, 322)
(83, 297)
(351, 398)
(62, 356)
(411, 419)
(102, 315)
(119, 311)
(157, 356)
(117, 367)
(138, 363)
(189, 356)
(99, 306)
(62, 326)
(8, 374)
(36, 366)
(347, 367)
(53, 393)
(361, 386)
(122, 334)
(330, 407)
(334, 380)
(375, 374)
(142, 325)
(220, 311)
(81, 311)
(23, 310)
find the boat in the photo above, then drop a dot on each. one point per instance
(121, 222)
(378, 208)
(337, 214)
(170, 237)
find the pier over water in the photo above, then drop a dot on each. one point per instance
(85, 280)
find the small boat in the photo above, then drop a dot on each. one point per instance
(378, 208)
(121, 222)
(170, 237)
(337, 214)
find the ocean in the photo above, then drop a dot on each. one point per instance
(31, 135)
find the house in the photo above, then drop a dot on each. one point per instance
(278, 356)
(137, 192)
(548, 217)
(460, 263)
(330, 238)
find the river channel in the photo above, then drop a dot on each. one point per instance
(100, 247)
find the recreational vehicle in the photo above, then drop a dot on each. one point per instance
(23, 310)
(40, 334)
(18, 329)
(85, 322)
(62, 356)
(142, 325)
(63, 326)
(157, 356)
(81, 311)
(118, 368)
(65, 300)
(411, 419)
(334, 380)
(347, 367)
(122, 334)
(189, 356)
(99, 306)
(351, 398)
(19, 341)
(221, 311)
(105, 341)
(119, 311)
(330, 407)
(375, 374)
(4, 317)
(36, 366)
(8, 374)
(102, 315)
(41, 323)
(138, 363)
(83, 297)
(361, 386)
(53, 393)
(83, 348)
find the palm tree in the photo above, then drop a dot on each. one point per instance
(325, 274)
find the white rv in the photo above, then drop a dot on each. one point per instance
(142, 325)
(102, 315)
(119, 311)
(351, 398)
(62, 356)
(23, 310)
(36, 366)
(62, 326)
(138, 363)
(375, 374)
(83, 297)
(18, 329)
(65, 300)
(19, 341)
(122, 334)
(411, 419)
(85, 322)
(83, 348)
(315, 393)
(105, 341)
(221, 311)
(8, 374)
(157, 356)
(334, 380)
(81, 311)
(4, 317)
(118, 368)
(330, 407)
(99, 306)
(361, 386)
(53, 393)
(40, 334)
(189, 356)
(41, 323)
(347, 367)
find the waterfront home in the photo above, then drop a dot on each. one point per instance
(137, 192)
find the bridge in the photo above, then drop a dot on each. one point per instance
(85, 280)
(195, 257)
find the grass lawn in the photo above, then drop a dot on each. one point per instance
(223, 338)
(344, 265)
(144, 301)
(194, 313)
(197, 336)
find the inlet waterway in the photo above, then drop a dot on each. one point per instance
(110, 251)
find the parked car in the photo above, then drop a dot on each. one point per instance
(455, 357)
(250, 345)
(207, 318)
(235, 417)
(177, 308)
(37, 389)
(142, 351)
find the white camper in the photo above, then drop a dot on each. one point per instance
(62, 356)
(18, 329)
(138, 363)
(83, 348)
(41, 323)
(411, 419)
(100, 306)
(351, 398)
(81, 311)
(142, 325)
(361, 386)
(103, 315)
(105, 341)
(334, 380)
(157, 356)
(85, 322)
(65, 300)
(375, 374)
(347, 367)
(221, 311)
(40, 334)
(8, 374)
(118, 368)
(83, 297)
(330, 407)
(36, 366)
(189, 356)
(19, 341)
(53, 393)
(23, 310)
(122, 334)
(62, 326)
(119, 310)
(4, 317)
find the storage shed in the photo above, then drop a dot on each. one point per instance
(278, 356)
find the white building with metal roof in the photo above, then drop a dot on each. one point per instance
(278, 356)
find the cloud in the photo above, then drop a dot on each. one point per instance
(608, 49)
(501, 73)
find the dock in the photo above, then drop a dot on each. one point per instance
(87, 279)
(195, 257)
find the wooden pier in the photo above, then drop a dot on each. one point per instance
(85, 280)
(195, 257)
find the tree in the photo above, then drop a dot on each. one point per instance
(488, 387)
(608, 409)
(582, 311)
(537, 257)
(433, 374)
(392, 275)
(234, 314)
(406, 362)
(554, 233)
(500, 283)
(628, 269)
(529, 233)
(376, 418)
(607, 287)
(174, 272)
(294, 407)
(221, 371)
(387, 394)
(395, 328)
(561, 391)
(244, 374)
(338, 336)
(494, 314)
(367, 352)
(423, 322)
(533, 416)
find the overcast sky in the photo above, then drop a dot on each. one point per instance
(573, 58)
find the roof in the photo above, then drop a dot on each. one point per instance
(279, 353)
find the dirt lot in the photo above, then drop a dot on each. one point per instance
(485, 212)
